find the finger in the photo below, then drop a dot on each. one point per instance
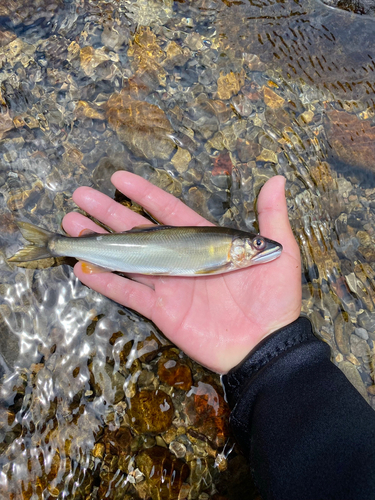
(273, 215)
(106, 210)
(74, 224)
(129, 293)
(165, 207)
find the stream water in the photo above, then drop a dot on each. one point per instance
(214, 97)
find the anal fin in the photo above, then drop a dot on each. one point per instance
(211, 270)
(89, 268)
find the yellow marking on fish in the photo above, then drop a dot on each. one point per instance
(211, 250)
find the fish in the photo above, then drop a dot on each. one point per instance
(154, 250)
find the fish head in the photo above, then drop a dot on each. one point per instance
(252, 250)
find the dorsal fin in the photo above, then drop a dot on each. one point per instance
(143, 226)
(147, 228)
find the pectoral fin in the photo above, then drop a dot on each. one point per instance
(214, 270)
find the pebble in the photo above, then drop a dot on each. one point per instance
(367, 321)
(362, 333)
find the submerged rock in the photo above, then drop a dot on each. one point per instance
(352, 140)
(151, 412)
(174, 371)
(164, 473)
(143, 127)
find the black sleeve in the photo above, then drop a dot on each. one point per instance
(308, 434)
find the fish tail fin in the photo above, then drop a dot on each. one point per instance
(39, 238)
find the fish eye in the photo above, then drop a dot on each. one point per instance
(259, 243)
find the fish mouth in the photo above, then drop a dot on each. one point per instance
(268, 254)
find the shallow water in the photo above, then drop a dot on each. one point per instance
(208, 108)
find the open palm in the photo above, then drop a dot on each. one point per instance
(218, 319)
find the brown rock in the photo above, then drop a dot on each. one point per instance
(6, 123)
(279, 118)
(267, 155)
(230, 84)
(117, 442)
(151, 412)
(222, 164)
(164, 473)
(247, 150)
(181, 160)
(208, 413)
(85, 110)
(352, 140)
(24, 11)
(272, 99)
(148, 349)
(7, 223)
(6, 37)
(176, 55)
(342, 334)
(174, 372)
(91, 58)
(143, 127)
(147, 57)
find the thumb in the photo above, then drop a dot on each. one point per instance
(273, 214)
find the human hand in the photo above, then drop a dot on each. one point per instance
(216, 319)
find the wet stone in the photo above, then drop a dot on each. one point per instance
(362, 333)
(222, 181)
(342, 334)
(9, 341)
(208, 413)
(222, 164)
(341, 127)
(229, 84)
(174, 371)
(147, 380)
(178, 449)
(151, 412)
(272, 99)
(6, 37)
(143, 127)
(116, 442)
(247, 150)
(148, 349)
(181, 160)
(267, 155)
(359, 348)
(367, 321)
(350, 357)
(176, 56)
(218, 204)
(242, 105)
(164, 472)
(106, 167)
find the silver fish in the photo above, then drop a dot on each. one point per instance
(155, 250)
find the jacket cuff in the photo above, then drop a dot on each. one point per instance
(269, 348)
